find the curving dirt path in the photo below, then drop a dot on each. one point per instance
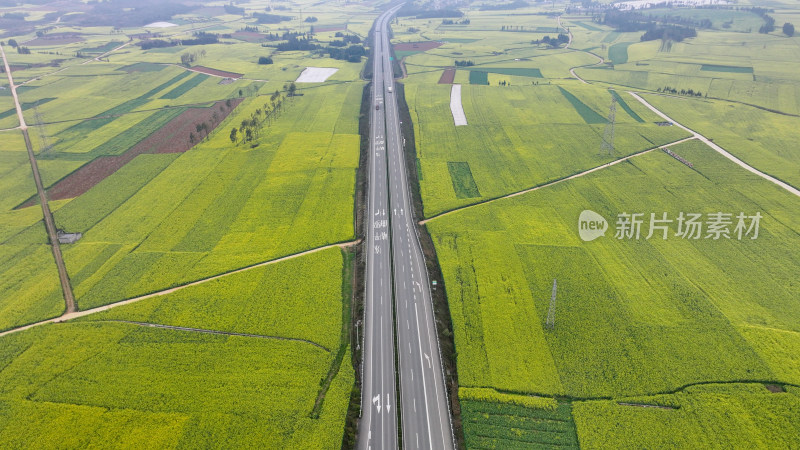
(718, 149)
(696, 135)
(572, 69)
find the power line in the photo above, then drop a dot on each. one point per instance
(607, 147)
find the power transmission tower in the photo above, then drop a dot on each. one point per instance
(551, 313)
(607, 147)
(37, 118)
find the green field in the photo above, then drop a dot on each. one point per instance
(107, 47)
(708, 416)
(478, 77)
(589, 115)
(588, 26)
(503, 425)
(657, 343)
(731, 69)
(221, 207)
(463, 183)
(265, 359)
(683, 312)
(752, 68)
(142, 67)
(760, 138)
(186, 388)
(618, 53)
(539, 138)
(185, 87)
(518, 71)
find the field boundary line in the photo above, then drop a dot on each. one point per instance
(47, 216)
(718, 149)
(621, 397)
(560, 180)
(207, 331)
(74, 315)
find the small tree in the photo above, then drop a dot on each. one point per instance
(192, 139)
(234, 134)
(292, 89)
(12, 43)
(788, 29)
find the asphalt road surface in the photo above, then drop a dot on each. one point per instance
(399, 328)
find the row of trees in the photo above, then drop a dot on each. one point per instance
(464, 63)
(352, 53)
(187, 59)
(250, 129)
(671, 90)
(675, 33)
(553, 42)
(203, 129)
(200, 38)
(521, 28)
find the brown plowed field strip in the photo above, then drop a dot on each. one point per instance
(448, 76)
(171, 138)
(216, 73)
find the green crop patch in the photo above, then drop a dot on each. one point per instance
(524, 136)
(463, 184)
(186, 86)
(108, 116)
(589, 115)
(728, 69)
(117, 382)
(618, 53)
(166, 84)
(83, 212)
(143, 67)
(120, 143)
(741, 415)
(503, 425)
(667, 302)
(610, 37)
(587, 26)
(516, 71)
(626, 107)
(175, 49)
(25, 106)
(400, 54)
(107, 47)
(478, 77)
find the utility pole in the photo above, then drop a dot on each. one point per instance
(607, 147)
(37, 118)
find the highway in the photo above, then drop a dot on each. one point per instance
(399, 329)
